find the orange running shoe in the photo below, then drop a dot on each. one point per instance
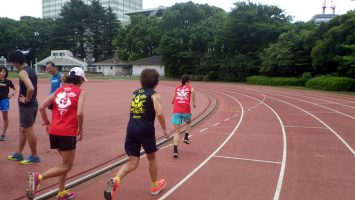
(160, 186)
(110, 191)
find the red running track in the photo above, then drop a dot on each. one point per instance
(259, 143)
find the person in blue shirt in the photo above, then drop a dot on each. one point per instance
(56, 78)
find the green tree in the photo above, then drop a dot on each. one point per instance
(251, 28)
(8, 35)
(288, 56)
(70, 30)
(185, 40)
(332, 37)
(139, 39)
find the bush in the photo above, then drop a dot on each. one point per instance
(331, 83)
(275, 81)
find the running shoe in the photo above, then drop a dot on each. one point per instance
(30, 160)
(3, 138)
(66, 195)
(176, 154)
(33, 184)
(158, 188)
(186, 140)
(110, 191)
(15, 157)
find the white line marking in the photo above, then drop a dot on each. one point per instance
(284, 150)
(205, 129)
(227, 119)
(248, 159)
(216, 124)
(320, 112)
(326, 125)
(166, 146)
(235, 116)
(209, 157)
(305, 127)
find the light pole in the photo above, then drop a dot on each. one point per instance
(36, 65)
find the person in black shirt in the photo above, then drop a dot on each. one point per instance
(5, 86)
(145, 106)
(28, 107)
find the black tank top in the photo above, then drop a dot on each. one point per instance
(142, 115)
(23, 89)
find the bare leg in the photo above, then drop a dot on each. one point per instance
(130, 166)
(6, 122)
(153, 167)
(62, 169)
(188, 127)
(32, 140)
(176, 135)
(22, 141)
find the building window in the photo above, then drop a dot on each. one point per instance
(100, 68)
(111, 67)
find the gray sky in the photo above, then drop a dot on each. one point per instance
(302, 10)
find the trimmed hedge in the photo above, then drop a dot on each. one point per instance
(331, 83)
(275, 81)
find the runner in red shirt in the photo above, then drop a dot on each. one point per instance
(182, 111)
(64, 128)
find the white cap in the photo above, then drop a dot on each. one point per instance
(78, 72)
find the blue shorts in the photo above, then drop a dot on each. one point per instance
(4, 105)
(178, 118)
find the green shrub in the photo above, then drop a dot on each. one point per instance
(331, 83)
(275, 81)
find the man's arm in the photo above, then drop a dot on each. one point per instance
(80, 114)
(30, 88)
(159, 112)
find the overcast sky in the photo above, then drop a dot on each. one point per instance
(302, 10)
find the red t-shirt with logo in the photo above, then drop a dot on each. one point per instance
(64, 112)
(182, 99)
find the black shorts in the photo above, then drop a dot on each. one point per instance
(62, 143)
(28, 115)
(134, 143)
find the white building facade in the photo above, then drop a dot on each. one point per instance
(52, 8)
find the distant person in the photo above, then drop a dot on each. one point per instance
(55, 80)
(5, 86)
(182, 111)
(145, 107)
(28, 107)
(65, 128)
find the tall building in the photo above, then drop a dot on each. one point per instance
(52, 8)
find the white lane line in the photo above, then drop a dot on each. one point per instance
(227, 119)
(205, 129)
(248, 159)
(326, 125)
(216, 124)
(235, 116)
(168, 193)
(320, 112)
(166, 146)
(284, 150)
(306, 127)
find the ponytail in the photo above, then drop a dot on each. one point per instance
(184, 79)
